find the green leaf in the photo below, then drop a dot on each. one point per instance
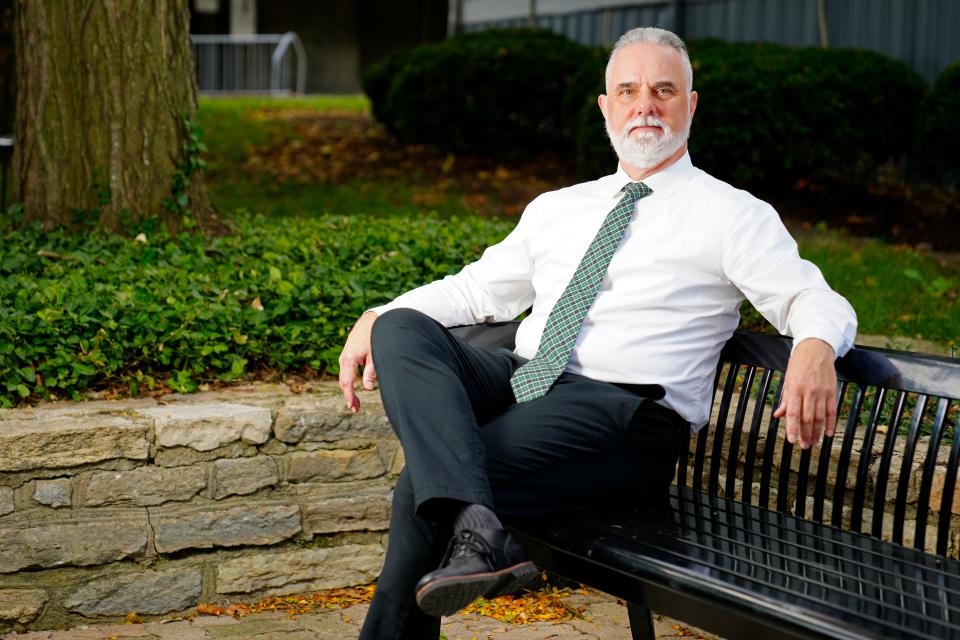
(83, 369)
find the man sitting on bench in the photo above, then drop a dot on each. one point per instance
(635, 281)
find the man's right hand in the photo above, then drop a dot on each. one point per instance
(357, 354)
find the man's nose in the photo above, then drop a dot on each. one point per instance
(645, 104)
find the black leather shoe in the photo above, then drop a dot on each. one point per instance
(478, 562)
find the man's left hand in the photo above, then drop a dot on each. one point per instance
(809, 393)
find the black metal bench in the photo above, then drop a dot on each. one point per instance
(763, 540)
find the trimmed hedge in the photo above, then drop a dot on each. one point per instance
(376, 85)
(767, 113)
(493, 92)
(935, 156)
(772, 114)
(86, 312)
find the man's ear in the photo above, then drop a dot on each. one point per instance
(693, 103)
(602, 101)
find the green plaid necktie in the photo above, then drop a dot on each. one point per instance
(534, 378)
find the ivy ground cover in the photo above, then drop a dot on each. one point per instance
(93, 311)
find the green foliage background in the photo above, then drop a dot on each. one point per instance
(81, 311)
(502, 91)
(768, 114)
(935, 156)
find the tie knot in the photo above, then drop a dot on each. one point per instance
(637, 190)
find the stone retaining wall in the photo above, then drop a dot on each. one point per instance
(154, 506)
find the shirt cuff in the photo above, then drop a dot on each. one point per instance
(840, 341)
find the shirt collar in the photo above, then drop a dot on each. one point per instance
(663, 182)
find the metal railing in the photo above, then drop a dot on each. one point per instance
(260, 63)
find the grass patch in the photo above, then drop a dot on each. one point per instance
(233, 125)
(317, 155)
(394, 198)
(252, 140)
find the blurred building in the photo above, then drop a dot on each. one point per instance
(923, 33)
(341, 38)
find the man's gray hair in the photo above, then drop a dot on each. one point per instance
(658, 36)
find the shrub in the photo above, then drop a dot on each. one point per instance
(771, 114)
(934, 156)
(494, 92)
(376, 86)
(82, 312)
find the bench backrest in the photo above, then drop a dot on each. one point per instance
(889, 471)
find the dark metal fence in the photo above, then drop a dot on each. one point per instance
(923, 33)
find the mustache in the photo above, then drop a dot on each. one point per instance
(648, 121)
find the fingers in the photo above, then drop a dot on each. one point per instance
(809, 393)
(348, 374)
(808, 416)
(357, 353)
(831, 426)
(369, 374)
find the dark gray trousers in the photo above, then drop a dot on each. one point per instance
(586, 444)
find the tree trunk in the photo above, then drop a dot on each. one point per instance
(104, 89)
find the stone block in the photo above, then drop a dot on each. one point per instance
(6, 501)
(207, 426)
(936, 491)
(185, 456)
(53, 493)
(82, 539)
(243, 476)
(144, 486)
(300, 570)
(344, 506)
(323, 418)
(392, 455)
(335, 465)
(70, 441)
(148, 592)
(832, 465)
(21, 606)
(224, 524)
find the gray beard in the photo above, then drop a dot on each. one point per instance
(648, 150)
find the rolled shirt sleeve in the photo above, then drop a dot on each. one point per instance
(761, 259)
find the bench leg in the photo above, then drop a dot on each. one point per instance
(641, 622)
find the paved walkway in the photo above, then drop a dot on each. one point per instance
(603, 619)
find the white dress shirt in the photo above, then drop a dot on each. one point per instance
(695, 248)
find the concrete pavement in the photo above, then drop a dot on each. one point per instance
(603, 619)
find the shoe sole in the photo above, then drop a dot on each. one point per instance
(446, 596)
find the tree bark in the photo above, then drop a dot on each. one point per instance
(104, 87)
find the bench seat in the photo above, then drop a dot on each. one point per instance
(747, 572)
